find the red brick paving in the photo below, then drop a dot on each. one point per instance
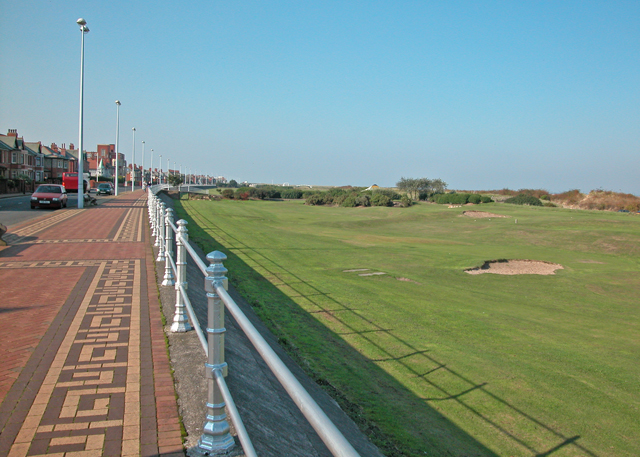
(80, 342)
(27, 310)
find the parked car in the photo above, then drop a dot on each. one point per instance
(49, 196)
(104, 188)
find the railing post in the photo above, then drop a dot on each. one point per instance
(152, 213)
(180, 319)
(168, 249)
(159, 216)
(215, 436)
(161, 233)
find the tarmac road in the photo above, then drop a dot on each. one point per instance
(15, 209)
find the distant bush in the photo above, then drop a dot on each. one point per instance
(227, 193)
(523, 199)
(485, 199)
(379, 199)
(349, 202)
(452, 199)
(612, 201)
(474, 198)
(363, 200)
(386, 192)
(405, 201)
(570, 197)
(315, 199)
(336, 199)
(291, 193)
(269, 193)
(538, 193)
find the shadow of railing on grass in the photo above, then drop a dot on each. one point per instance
(452, 439)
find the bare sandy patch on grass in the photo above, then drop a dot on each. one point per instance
(516, 267)
(408, 280)
(481, 214)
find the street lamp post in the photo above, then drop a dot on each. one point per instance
(160, 177)
(151, 169)
(142, 177)
(167, 181)
(117, 138)
(133, 160)
(83, 29)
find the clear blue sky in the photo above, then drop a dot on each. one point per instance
(484, 95)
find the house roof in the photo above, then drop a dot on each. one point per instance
(47, 151)
(33, 147)
(9, 141)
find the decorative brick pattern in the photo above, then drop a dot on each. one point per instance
(92, 378)
(41, 224)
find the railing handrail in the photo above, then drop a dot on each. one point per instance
(324, 427)
(193, 317)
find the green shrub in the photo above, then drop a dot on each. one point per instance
(291, 193)
(523, 199)
(452, 199)
(335, 199)
(485, 199)
(405, 201)
(379, 199)
(349, 202)
(315, 199)
(387, 193)
(227, 193)
(363, 200)
(475, 198)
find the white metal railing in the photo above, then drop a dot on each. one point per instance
(216, 438)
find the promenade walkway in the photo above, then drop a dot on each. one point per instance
(84, 367)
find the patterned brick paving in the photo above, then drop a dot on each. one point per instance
(85, 369)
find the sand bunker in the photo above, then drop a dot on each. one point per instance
(479, 214)
(516, 267)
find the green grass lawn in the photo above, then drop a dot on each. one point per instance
(430, 360)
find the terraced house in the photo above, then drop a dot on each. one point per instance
(19, 159)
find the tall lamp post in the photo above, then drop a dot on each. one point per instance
(117, 138)
(167, 181)
(142, 177)
(151, 169)
(133, 160)
(160, 177)
(83, 29)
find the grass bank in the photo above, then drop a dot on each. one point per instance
(428, 359)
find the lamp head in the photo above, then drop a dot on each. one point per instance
(81, 22)
(118, 102)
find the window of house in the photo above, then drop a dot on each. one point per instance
(14, 157)
(60, 165)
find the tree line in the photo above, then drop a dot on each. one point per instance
(421, 188)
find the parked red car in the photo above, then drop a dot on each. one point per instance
(49, 196)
